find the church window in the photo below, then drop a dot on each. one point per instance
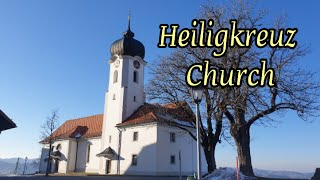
(134, 160)
(115, 76)
(172, 159)
(135, 136)
(135, 76)
(109, 139)
(52, 148)
(134, 98)
(88, 153)
(114, 97)
(172, 137)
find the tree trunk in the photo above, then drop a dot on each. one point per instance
(241, 136)
(49, 158)
(210, 147)
(209, 153)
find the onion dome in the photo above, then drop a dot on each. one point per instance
(128, 45)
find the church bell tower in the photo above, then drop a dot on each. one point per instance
(126, 87)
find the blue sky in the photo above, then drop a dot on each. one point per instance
(53, 55)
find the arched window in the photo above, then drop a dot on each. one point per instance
(115, 76)
(135, 76)
(88, 153)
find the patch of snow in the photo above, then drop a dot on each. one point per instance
(226, 174)
(282, 174)
(10, 175)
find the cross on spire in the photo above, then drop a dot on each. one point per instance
(129, 19)
(129, 33)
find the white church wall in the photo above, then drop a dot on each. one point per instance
(71, 155)
(144, 148)
(93, 165)
(104, 134)
(113, 106)
(64, 144)
(90, 166)
(183, 143)
(133, 97)
(123, 98)
(111, 118)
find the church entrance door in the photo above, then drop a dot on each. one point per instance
(108, 166)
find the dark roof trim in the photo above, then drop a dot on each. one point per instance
(120, 126)
(136, 124)
(107, 152)
(6, 122)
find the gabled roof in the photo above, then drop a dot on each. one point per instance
(87, 126)
(179, 113)
(91, 126)
(107, 152)
(5, 122)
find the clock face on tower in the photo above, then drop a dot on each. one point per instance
(136, 64)
(117, 63)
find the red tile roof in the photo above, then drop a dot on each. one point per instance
(87, 126)
(92, 126)
(161, 113)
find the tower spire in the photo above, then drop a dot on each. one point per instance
(129, 33)
(129, 19)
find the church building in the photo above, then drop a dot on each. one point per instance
(131, 137)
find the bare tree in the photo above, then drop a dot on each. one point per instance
(49, 126)
(295, 88)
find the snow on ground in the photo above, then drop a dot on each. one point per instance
(226, 174)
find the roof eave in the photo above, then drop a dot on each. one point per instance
(135, 124)
(8, 120)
